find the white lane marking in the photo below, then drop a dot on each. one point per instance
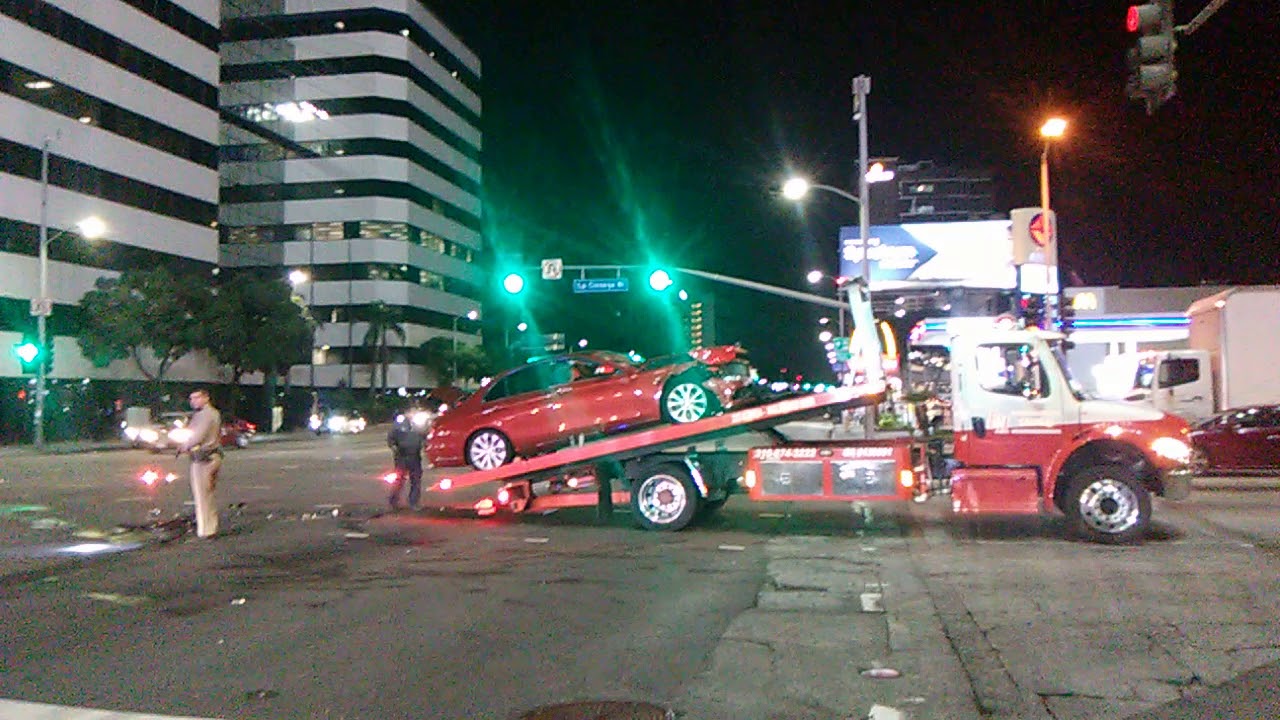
(771, 515)
(356, 535)
(290, 467)
(872, 602)
(258, 487)
(536, 540)
(732, 548)
(41, 711)
(135, 498)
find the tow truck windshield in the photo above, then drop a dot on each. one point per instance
(1072, 383)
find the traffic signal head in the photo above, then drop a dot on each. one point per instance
(29, 355)
(1152, 73)
(513, 283)
(660, 280)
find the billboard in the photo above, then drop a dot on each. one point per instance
(974, 254)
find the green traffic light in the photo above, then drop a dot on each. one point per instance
(660, 280)
(27, 352)
(513, 283)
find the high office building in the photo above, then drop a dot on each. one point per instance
(927, 192)
(117, 99)
(351, 158)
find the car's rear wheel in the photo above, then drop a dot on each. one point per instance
(487, 449)
(242, 441)
(685, 400)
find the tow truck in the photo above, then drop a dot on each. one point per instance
(1027, 440)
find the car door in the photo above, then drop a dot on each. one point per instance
(1247, 443)
(607, 396)
(1271, 438)
(1008, 393)
(517, 406)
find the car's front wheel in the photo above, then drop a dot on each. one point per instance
(685, 400)
(487, 449)
(1108, 504)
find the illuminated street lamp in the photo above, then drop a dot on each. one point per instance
(824, 336)
(298, 277)
(814, 276)
(1053, 129)
(471, 315)
(91, 228)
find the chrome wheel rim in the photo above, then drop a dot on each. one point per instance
(1109, 506)
(687, 402)
(488, 451)
(662, 499)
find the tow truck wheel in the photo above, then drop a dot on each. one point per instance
(665, 498)
(487, 449)
(686, 400)
(1107, 504)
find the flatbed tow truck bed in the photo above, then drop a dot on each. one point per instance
(670, 476)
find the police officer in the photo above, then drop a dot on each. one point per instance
(405, 440)
(205, 448)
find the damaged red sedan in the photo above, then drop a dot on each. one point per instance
(540, 406)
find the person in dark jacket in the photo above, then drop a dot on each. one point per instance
(405, 440)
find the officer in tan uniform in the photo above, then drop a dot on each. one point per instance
(205, 448)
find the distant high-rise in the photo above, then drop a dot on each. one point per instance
(123, 95)
(351, 151)
(926, 192)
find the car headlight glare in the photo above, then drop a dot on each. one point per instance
(180, 435)
(148, 435)
(337, 422)
(1172, 449)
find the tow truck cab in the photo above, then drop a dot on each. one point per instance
(1028, 440)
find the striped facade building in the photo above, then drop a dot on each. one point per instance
(351, 160)
(120, 99)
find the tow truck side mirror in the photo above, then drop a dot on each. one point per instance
(980, 427)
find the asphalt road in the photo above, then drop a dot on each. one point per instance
(316, 604)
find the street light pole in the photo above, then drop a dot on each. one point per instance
(37, 417)
(862, 88)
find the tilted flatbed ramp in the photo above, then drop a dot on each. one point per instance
(662, 437)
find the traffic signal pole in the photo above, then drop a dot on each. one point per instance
(37, 416)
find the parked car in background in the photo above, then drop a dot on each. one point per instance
(337, 422)
(1246, 438)
(540, 406)
(169, 432)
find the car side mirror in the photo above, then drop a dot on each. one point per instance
(980, 427)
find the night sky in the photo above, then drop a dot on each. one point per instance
(629, 132)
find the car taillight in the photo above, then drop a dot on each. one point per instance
(504, 496)
(149, 478)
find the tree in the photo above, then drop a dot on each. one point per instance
(255, 324)
(438, 358)
(473, 363)
(140, 313)
(441, 358)
(382, 319)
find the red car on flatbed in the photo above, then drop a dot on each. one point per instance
(545, 404)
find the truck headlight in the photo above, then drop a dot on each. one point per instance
(1171, 448)
(148, 435)
(180, 435)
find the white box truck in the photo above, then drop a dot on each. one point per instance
(1233, 360)
(1239, 329)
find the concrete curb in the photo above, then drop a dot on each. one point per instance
(1236, 482)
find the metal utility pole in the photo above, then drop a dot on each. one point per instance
(861, 88)
(37, 417)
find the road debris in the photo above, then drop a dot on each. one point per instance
(872, 602)
(536, 540)
(881, 673)
(884, 712)
(49, 523)
(238, 601)
(356, 535)
(732, 548)
(117, 599)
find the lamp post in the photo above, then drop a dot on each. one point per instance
(816, 276)
(91, 228)
(1053, 129)
(471, 315)
(297, 277)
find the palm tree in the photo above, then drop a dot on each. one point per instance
(382, 319)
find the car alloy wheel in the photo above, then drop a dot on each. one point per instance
(686, 402)
(488, 449)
